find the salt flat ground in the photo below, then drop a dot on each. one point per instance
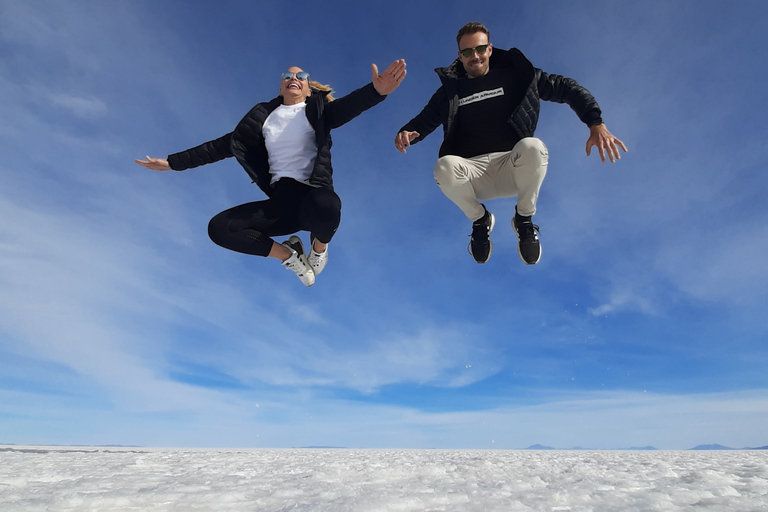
(125, 479)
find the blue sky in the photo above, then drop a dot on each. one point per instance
(121, 323)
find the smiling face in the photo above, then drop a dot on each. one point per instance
(293, 90)
(476, 65)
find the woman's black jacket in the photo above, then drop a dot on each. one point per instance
(246, 141)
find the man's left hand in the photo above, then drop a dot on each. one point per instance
(600, 137)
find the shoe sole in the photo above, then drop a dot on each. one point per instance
(514, 228)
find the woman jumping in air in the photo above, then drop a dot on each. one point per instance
(285, 147)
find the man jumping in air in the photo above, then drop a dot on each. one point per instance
(488, 105)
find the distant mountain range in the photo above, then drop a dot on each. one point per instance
(711, 447)
(721, 447)
(699, 447)
(542, 447)
(539, 447)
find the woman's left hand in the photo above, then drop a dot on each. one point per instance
(388, 81)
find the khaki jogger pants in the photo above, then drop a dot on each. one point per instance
(520, 172)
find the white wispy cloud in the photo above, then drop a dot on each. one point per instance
(87, 108)
(436, 356)
(623, 301)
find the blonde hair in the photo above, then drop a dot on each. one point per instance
(317, 86)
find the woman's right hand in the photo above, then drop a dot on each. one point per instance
(156, 164)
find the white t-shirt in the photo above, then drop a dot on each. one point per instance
(290, 142)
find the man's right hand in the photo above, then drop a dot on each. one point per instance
(403, 140)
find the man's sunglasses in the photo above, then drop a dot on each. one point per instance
(468, 52)
(301, 75)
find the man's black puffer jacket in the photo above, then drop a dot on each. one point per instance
(246, 141)
(443, 105)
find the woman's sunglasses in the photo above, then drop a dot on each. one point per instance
(301, 75)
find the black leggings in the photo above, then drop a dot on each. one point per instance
(293, 207)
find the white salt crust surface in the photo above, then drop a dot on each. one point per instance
(128, 479)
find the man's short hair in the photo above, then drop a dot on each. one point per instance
(471, 28)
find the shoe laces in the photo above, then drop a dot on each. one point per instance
(316, 258)
(295, 264)
(527, 230)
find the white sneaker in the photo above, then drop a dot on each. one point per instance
(297, 262)
(317, 260)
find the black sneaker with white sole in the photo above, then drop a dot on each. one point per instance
(480, 246)
(529, 247)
